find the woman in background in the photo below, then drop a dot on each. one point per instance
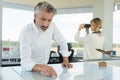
(91, 41)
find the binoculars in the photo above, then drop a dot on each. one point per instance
(87, 25)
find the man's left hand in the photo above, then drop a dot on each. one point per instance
(66, 63)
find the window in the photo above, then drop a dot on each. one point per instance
(13, 21)
(68, 25)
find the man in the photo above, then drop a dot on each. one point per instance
(35, 41)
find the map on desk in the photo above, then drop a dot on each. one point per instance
(80, 71)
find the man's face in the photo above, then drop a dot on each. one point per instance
(43, 19)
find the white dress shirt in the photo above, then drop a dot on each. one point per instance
(91, 42)
(35, 45)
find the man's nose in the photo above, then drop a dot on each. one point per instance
(46, 23)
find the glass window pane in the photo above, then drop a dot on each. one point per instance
(13, 21)
(68, 25)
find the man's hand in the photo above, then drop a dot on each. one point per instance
(66, 63)
(46, 70)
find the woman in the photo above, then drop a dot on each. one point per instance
(91, 41)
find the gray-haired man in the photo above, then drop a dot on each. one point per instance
(35, 41)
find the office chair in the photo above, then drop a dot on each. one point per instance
(69, 49)
(60, 58)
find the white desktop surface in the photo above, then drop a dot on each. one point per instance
(80, 71)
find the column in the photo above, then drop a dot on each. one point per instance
(104, 10)
(0, 32)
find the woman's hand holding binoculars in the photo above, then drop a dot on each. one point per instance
(81, 27)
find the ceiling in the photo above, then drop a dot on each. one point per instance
(58, 3)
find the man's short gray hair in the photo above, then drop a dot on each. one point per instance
(44, 6)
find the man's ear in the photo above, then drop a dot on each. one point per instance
(35, 15)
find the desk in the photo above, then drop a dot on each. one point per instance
(81, 71)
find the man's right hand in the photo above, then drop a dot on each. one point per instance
(46, 70)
